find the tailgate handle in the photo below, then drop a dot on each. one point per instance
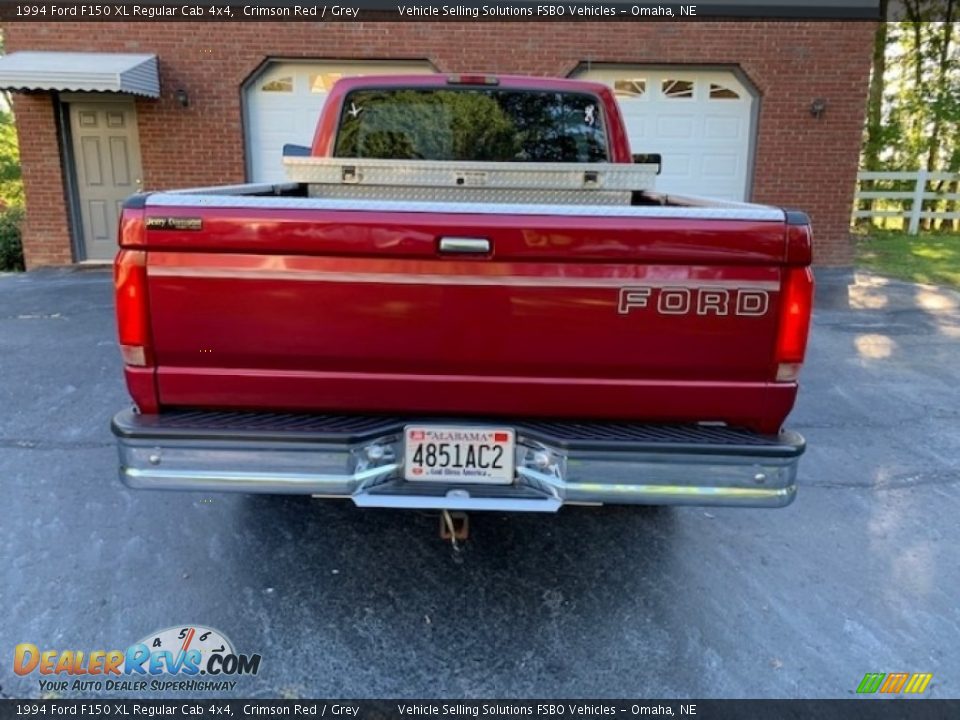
(465, 245)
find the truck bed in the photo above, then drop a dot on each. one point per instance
(263, 297)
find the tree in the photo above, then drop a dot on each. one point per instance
(914, 101)
(11, 187)
(876, 137)
(913, 109)
(4, 94)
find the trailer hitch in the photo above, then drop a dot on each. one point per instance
(455, 527)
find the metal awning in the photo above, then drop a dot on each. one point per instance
(81, 71)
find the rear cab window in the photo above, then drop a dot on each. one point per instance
(472, 124)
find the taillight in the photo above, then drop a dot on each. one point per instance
(799, 240)
(133, 321)
(133, 230)
(796, 306)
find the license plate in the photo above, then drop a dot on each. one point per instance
(456, 454)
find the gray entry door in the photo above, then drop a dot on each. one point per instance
(106, 153)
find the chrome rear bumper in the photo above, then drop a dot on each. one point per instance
(557, 462)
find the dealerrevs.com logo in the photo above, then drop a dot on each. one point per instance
(180, 658)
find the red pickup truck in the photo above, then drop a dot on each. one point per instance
(469, 297)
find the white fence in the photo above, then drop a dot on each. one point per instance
(914, 197)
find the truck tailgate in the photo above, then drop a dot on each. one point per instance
(607, 316)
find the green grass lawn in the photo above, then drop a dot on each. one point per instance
(926, 258)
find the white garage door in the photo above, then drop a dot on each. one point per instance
(284, 101)
(700, 121)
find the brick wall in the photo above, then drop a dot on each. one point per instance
(46, 233)
(801, 162)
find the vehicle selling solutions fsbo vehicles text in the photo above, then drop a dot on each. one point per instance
(543, 11)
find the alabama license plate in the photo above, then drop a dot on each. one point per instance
(454, 454)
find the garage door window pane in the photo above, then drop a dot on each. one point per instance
(722, 92)
(632, 88)
(284, 84)
(472, 124)
(677, 88)
(323, 82)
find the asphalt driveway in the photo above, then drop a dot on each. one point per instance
(861, 574)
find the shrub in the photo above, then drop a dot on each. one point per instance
(11, 249)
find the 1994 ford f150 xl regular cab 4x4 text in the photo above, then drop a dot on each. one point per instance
(469, 297)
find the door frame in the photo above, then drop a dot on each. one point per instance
(63, 103)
